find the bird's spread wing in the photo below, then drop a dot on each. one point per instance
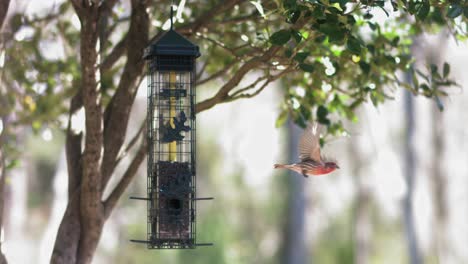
(309, 145)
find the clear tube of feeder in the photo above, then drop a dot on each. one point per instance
(172, 115)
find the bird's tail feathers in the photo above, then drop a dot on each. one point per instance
(281, 166)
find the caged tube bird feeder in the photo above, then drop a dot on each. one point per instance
(171, 127)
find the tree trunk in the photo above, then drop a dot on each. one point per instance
(409, 172)
(439, 186)
(89, 170)
(4, 4)
(440, 242)
(81, 227)
(3, 12)
(2, 187)
(362, 207)
(294, 244)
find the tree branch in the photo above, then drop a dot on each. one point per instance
(223, 93)
(78, 6)
(240, 93)
(219, 44)
(202, 70)
(118, 110)
(248, 87)
(74, 158)
(90, 204)
(3, 11)
(132, 142)
(73, 148)
(234, 20)
(217, 74)
(2, 199)
(114, 55)
(107, 5)
(69, 233)
(204, 19)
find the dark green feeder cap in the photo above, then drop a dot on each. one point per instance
(171, 43)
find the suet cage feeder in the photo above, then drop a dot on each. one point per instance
(171, 127)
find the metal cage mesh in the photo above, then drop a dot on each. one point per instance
(171, 154)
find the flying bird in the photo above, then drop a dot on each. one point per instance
(312, 162)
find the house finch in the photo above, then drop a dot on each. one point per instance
(312, 163)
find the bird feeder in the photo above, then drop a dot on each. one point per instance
(171, 126)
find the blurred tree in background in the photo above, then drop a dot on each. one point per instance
(3, 12)
(86, 57)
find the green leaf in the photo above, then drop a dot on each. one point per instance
(334, 32)
(299, 120)
(365, 67)
(280, 37)
(320, 38)
(374, 99)
(36, 125)
(454, 11)
(394, 5)
(293, 16)
(16, 22)
(13, 164)
(439, 103)
(305, 112)
(465, 11)
(322, 113)
(423, 10)
(259, 7)
(426, 89)
(353, 45)
(446, 70)
(283, 116)
(356, 104)
(395, 41)
(415, 79)
(307, 67)
(350, 19)
(383, 9)
(289, 4)
(434, 71)
(301, 56)
(296, 35)
(351, 115)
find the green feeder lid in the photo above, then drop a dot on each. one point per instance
(171, 43)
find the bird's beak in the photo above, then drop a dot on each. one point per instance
(337, 166)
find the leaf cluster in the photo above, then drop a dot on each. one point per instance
(351, 52)
(331, 55)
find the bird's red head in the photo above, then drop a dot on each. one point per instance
(331, 165)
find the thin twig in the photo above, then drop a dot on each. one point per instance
(127, 177)
(114, 55)
(132, 142)
(218, 44)
(252, 85)
(234, 20)
(218, 73)
(268, 80)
